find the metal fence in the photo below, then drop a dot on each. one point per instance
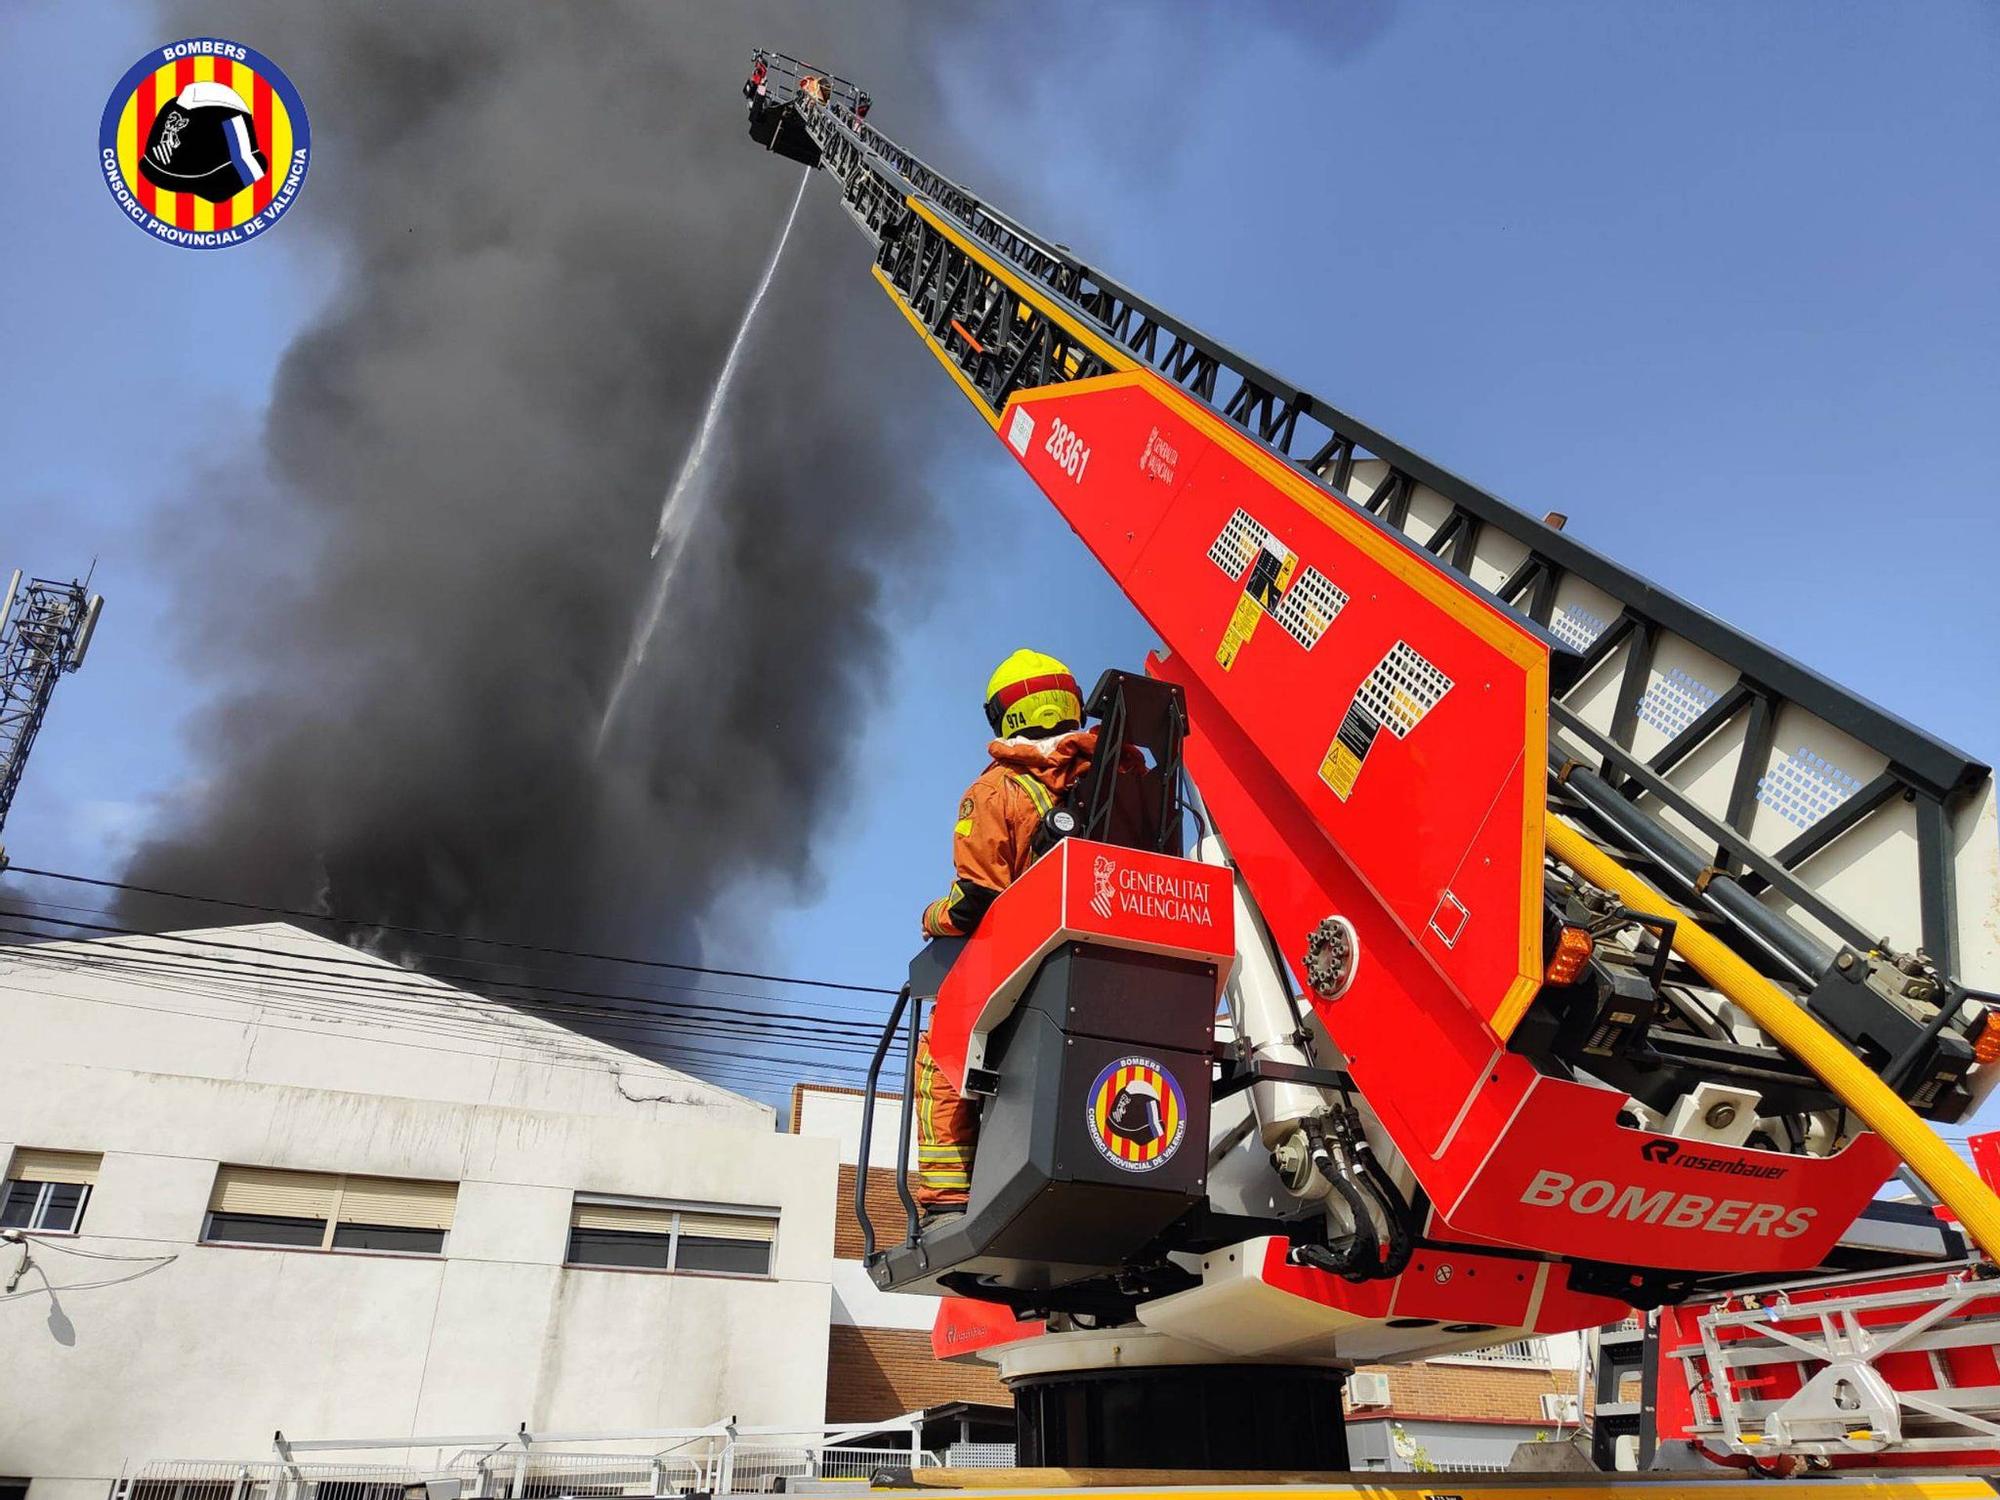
(199, 1479)
(1529, 1352)
(699, 1461)
(979, 1456)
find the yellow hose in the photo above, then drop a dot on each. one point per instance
(1794, 1028)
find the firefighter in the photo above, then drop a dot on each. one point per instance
(1039, 752)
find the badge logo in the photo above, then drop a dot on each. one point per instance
(1137, 1114)
(204, 143)
(1104, 890)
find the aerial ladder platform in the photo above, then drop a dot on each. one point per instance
(1547, 947)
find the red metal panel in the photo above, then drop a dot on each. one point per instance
(1082, 891)
(1477, 1124)
(1452, 1286)
(1566, 1175)
(1433, 1073)
(1986, 1156)
(1403, 711)
(1429, 841)
(964, 1326)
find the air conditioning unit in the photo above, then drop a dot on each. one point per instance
(1558, 1408)
(1370, 1388)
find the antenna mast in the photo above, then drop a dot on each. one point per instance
(45, 629)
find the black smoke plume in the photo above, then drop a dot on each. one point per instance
(540, 224)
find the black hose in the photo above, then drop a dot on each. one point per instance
(1397, 1213)
(1361, 1258)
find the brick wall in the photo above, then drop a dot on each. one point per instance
(884, 1207)
(872, 1373)
(1468, 1393)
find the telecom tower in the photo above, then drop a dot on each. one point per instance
(45, 629)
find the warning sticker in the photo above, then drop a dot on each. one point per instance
(1396, 696)
(1237, 631)
(1340, 768)
(1304, 601)
(1271, 573)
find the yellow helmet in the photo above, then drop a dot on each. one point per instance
(1031, 691)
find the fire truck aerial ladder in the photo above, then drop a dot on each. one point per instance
(1575, 952)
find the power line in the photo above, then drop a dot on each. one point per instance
(456, 937)
(390, 978)
(407, 963)
(430, 1000)
(789, 1038)
(598, 1065)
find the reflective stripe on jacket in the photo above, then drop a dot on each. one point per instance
(993, 839)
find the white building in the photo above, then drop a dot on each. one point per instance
(341, 1200)
(879, 1352)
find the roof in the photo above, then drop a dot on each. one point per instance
(272, 1002)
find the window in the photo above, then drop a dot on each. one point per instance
(328, 1211)
(644, 1235)
(47, 1190)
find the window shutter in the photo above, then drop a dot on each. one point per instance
(399, 1201)
(31, 1165)
(625, 1216)
(267, 1190)
(752, 1227)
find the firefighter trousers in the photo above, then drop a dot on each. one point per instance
(947, 1132)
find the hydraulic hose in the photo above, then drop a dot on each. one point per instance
(1361, 1258)
(1796, 1030)
(1395, 1212)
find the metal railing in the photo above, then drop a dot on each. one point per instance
(228, 1479)
(718, 1460)
(1532, 1353)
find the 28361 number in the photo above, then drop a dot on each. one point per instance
(1067, 449)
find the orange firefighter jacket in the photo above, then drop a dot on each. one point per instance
(992, 842)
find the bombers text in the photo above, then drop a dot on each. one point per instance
(1666, 1208)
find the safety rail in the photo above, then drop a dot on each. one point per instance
(1524, 1353)
(717, 1460)
(869, 1091)
(1832, 838)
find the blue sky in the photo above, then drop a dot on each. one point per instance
(1716, 280)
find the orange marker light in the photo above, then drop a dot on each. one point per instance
(1573, 947)
(1986, 1046)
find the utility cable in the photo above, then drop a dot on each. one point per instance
(456, 937)
(536, 1040)
(390, 977)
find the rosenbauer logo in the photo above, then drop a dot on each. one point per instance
(204, 143)
(1663, 1151)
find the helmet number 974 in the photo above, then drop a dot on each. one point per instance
(1067, 449)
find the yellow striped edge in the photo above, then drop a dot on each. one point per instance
(1875, 1486)
(1483, 619)
(979, 404)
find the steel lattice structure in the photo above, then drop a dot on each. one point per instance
(1695, 785)
(45, 629)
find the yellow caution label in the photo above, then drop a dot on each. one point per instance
(1339, 769)
(1237, 631)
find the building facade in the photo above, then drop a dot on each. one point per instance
(315, 1193)
(1464, 1412)
(879, 1359)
